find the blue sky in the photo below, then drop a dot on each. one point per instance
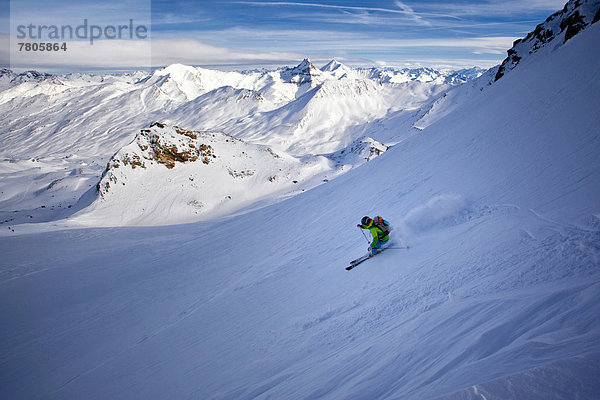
(455, 33)
(239, 34)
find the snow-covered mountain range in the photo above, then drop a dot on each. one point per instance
(494, 184)
(61, 130)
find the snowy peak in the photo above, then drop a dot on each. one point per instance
(177, 71)
(6, 77)
(305, 72)
(332, 66)
(184, 83)
(558, 28)
(339, 70)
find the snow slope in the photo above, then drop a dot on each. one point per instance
(498, 200)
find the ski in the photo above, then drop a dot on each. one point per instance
(359, 260)
(364, 258)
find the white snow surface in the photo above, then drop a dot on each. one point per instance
(497, 297)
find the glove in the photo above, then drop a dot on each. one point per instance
(359, 225)
(369, 249)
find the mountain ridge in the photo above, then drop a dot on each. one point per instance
(575, 16)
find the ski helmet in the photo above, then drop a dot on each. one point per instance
(366, 221)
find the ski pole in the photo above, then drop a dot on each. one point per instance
(361, 231)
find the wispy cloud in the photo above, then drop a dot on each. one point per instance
(132, 55)
(196, 52)
(317, 39)
(411, 13)
(319, 5)
(402, 9)
(128, 54)
(171, 18)
(492, 8)
(72, 13)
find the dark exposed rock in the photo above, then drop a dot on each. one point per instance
(596, 17)
(573, 24)
(571, 20)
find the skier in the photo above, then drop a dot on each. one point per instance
(380, 231)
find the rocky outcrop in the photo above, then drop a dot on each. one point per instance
(560, 26)
(361, 150)
(10, 78)
(158, 144)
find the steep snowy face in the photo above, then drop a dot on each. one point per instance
(557, 29)
(339, 70)
(499, 200)
(333, 114)
(305, 72)
(223, 109)
(454, 97)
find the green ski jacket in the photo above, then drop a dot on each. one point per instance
(376, 233)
